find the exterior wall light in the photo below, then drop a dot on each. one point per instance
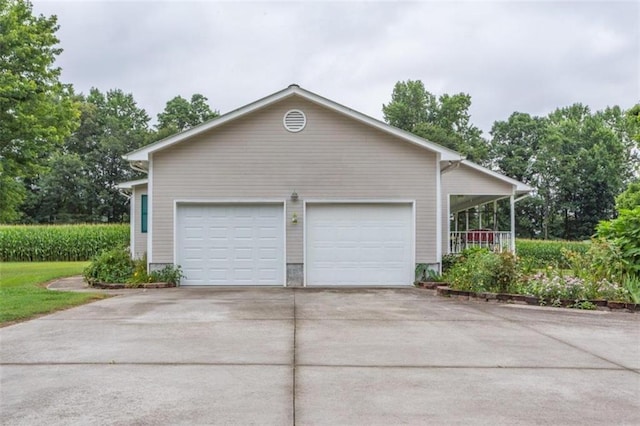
(294, 196)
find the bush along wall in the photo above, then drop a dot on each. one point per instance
(46, 243)
(599, 277)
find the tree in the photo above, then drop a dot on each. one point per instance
(577, 161)
(119, 126)
(514, 150)
(410, 105)
(37, 111)
(444, 120)
(180, 114)
(633, 123)
(90, 163)
(63, 194)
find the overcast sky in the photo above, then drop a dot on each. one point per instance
(509, 56)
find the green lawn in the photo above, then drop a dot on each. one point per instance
(23, 295)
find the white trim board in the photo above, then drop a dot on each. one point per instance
(150, 209)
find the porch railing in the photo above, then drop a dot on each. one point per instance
(497, 241)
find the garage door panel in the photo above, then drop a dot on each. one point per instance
(220, 244)
(268, 254)
(359, 244)
(218, 232)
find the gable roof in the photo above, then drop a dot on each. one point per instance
(142, 154)
(520, 188)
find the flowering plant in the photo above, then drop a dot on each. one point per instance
(556, 286)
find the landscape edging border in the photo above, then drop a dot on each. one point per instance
(122, 286)
(444, 290)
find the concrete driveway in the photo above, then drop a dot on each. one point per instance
(276, 356)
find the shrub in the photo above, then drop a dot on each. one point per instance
(421, 271)
(32, 243)
(110, 266)
(170, 274)
(481, 270)
(449, 260)
(541, 253)
(506, 273)
(624, 233)
(631, 286)
(603, 260)
(139, 274)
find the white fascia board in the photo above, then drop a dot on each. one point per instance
(132, 183)
(521, 188)
(142, 154)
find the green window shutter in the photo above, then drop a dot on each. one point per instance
(143, 214)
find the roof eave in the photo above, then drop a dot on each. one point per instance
(132, 183)
(520, 187)
(142, 154)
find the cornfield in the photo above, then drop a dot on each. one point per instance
(541, 253)
(24, 243)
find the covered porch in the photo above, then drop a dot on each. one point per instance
(478, 208)
(474, 221)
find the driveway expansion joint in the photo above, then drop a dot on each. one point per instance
(293, 365)
(524, 324)
(154, 364)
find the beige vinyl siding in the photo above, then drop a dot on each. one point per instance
(139, 239)
(464, 180)
(333, 158)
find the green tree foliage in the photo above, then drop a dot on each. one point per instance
(577, 160)
(630, 198)
(37, 111)
(62, 194)
(624, 233)
(515, 146)
(444, 120)
(81, 183)
(180, 114)
(633, 122)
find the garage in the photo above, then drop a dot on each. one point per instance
(231, 244)
(357, 244)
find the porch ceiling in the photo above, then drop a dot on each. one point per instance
(458, 203)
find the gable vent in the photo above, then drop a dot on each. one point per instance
(294, 120)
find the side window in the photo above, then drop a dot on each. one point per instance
(143, 214)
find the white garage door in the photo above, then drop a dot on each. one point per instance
(231, 244)
(359, 244)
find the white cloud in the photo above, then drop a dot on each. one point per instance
(530, 57)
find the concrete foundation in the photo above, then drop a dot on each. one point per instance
(295, 274)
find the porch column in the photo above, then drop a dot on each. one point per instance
(495, 215)
(513, 223)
